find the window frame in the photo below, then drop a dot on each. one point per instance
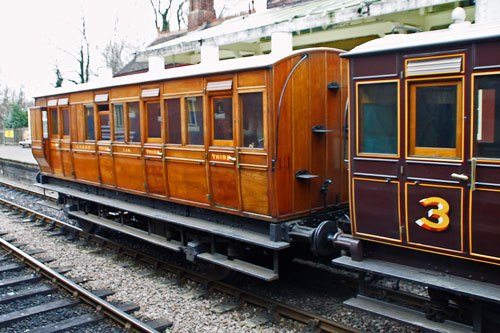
(62, 109)
(264, 118)
(99, 128)
(146, 121)
(50, 113)
(126, 110)
(429, 153)
(219, 142)
(398, 120)
(473, 139)
(124, 113)
(94, 110)
(187, 117)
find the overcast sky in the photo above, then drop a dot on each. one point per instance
(34, 33)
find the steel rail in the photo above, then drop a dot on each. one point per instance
(282, 309)
(128, 321)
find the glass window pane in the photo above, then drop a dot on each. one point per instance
(118, 122)
(174, 120)
(436, 116)
(154, 120)
(194, 107)
(223, 118)
(66, 126)
(378, 129)
(487, 116)
(105, 126)
(55, 122)
(89, 115)
(134, 122)
(253, 129)
(45, 125)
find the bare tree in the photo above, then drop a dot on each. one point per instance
(82, 57)
(59, 77)
(164, 25)
(162, 11)
(115, 51)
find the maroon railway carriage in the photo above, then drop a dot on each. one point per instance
(425, 157)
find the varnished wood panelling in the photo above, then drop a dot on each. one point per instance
(283, 172)
(224, 186)
(251, 79)
(187, 182)
(67, 163)
(86, 167)
(41, 101)
(318, 141)
(254, 191)
(106, 169)
(129, 173)
(301, 129)
(55, 160)
(154, 174)
(198, 155)
(81, 97)
(126, 92)
(254, 159)
(183, 86)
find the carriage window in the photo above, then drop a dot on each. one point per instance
(253, 129)
(174, 120)
(119, 123)
(487, 116)
(222, 113)
(55, 123)
(105, 126)
(435, 124)
(154, 120)
(378, 118)
(45, 124)
(66, 126)
(194, 106)
(89, 116)
(134, 122)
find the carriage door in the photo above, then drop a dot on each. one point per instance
(485, 167)
(222, 155)
(435, 169)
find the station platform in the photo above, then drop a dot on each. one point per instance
(17, 153)
(18, 164)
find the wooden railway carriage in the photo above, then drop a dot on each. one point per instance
(257, 138)
(425, 157)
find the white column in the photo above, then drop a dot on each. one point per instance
(281, 42)
(487, 11)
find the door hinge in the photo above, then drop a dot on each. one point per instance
(402, 169)
(209, 197)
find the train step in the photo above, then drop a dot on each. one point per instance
(152, 238)
(412, 317)
(453, 284)
(240, 266)
(246, 236)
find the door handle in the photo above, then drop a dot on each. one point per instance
(231, 158)
(459, 176)
(473, 174)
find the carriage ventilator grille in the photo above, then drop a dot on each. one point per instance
(434, 66)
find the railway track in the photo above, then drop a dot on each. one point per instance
(273, 307)
(41, 299)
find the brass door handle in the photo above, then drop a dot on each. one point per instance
(231, 158)
(459, 176)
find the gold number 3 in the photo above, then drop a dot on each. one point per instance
(441, 214)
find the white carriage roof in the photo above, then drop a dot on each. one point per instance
(458, 33)
(221, 66)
